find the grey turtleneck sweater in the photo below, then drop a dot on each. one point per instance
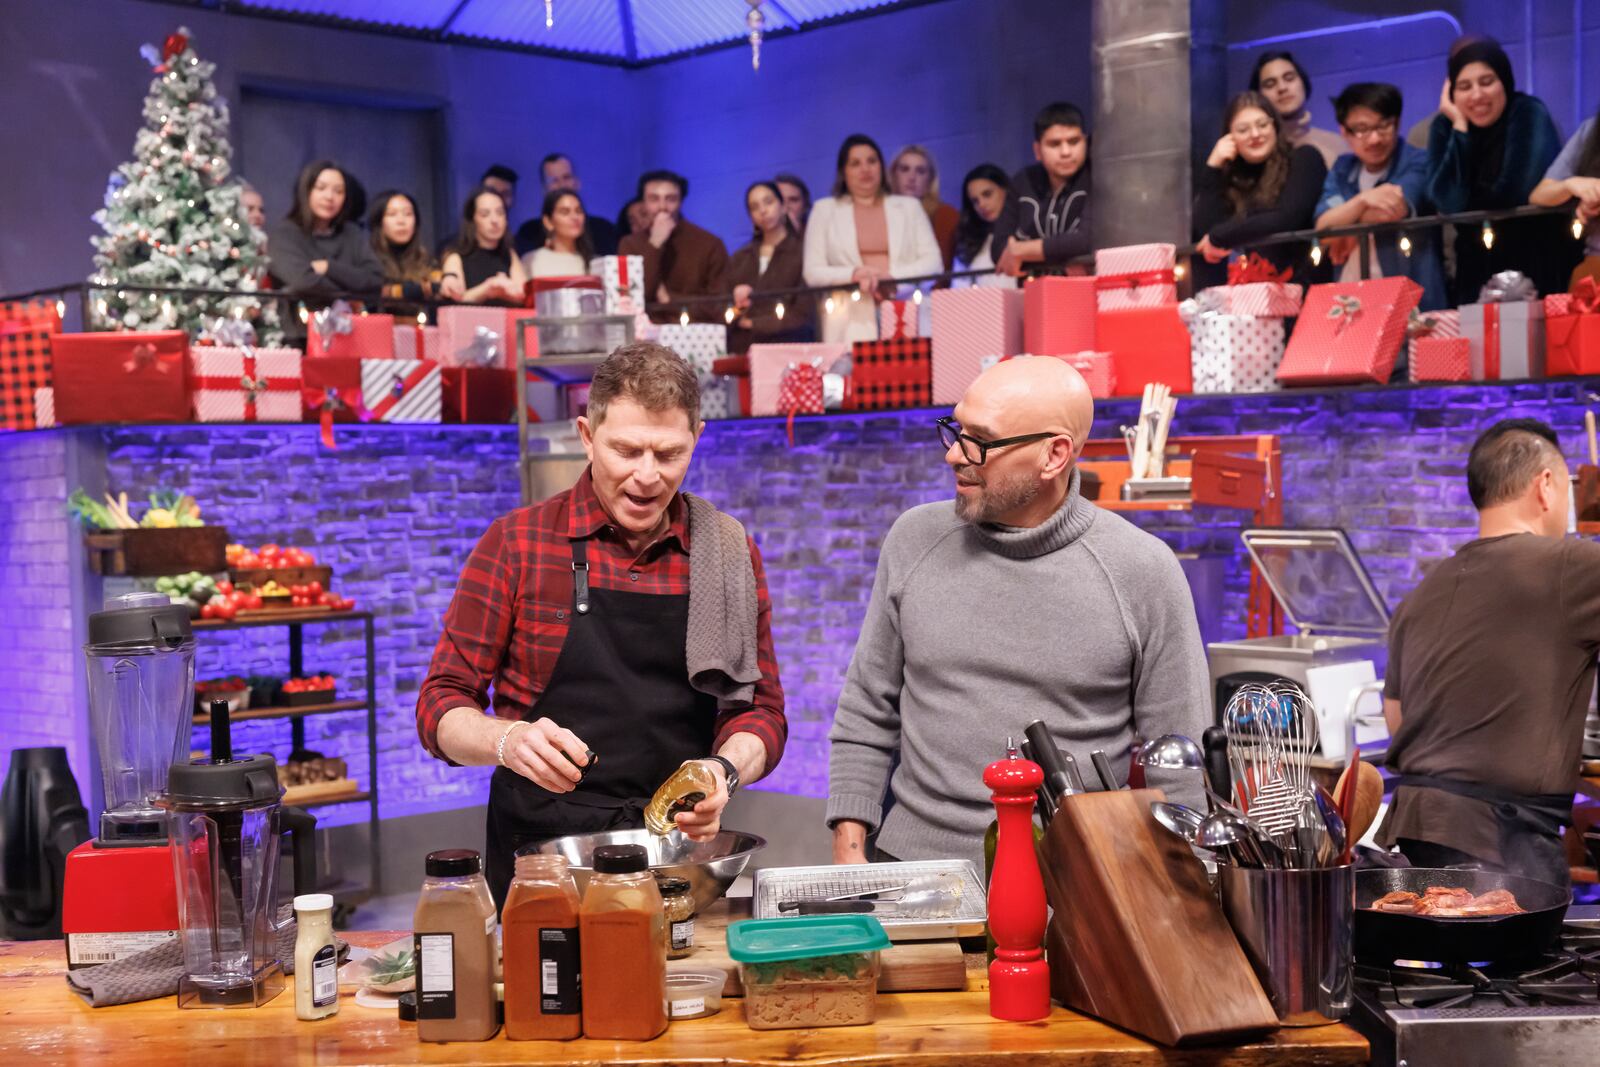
(972, 632)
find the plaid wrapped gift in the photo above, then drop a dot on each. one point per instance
(415, 341)
(338, 333)
(38, 312)
(1507, 339)
(1135, 276)
(24, 370)
(623, 280)
(700, 344)
(1058, 315)
(769, 362)
(969, 324)
(44, 408)
(246, 384)
(120, 377)
(1147, 345)
(898, 318)
(890, 374)
(1236, 353)
(1441, 359)
(1349, 332)
(402, 390)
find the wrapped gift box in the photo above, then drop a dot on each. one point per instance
(368, 337)
(330, 390)
(120, 377)
(1441, 359)
(24, 370)
(415, 341)
(1236, 353)
(44, 408)
(896, 373)
(1135, 276)
(700, 344)
(1146, 345)
(721, 396)
(477, 394)
(898, 318)
(246, 385)
(37, 312)
(1507, 339)
(1264, 300)
(1098, 369)
(1058, 315)
(769, 362)
(1439, 324)
(1349, 332)
(474, 336)
(623, 279)
(1572, 332)
(969, 324)
(402, 390)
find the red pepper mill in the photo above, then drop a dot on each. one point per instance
(1019, 980)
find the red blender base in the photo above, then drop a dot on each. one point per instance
(117, 902)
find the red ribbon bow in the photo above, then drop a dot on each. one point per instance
(144, 355)
(1139, 278)
(1250, 268)
(327, 401)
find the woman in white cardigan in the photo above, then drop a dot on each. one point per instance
(863, 237)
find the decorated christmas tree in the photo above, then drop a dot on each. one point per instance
(173, 217)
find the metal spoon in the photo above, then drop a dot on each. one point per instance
(1179, 818)
(1232, 837)
(1175, 752)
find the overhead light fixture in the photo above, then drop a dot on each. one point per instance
(756, 21)
(549, 19)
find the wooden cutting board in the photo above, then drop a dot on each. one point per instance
(910, 966)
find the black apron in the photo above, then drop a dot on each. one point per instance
(1529, 827)
(621, 683)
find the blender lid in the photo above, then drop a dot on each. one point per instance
(140, 620)
(204, 784)
(1319, 578)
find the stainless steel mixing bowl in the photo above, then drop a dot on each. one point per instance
(710, 866)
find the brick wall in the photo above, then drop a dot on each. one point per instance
(396, 510)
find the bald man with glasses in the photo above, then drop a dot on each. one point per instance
(1019, 600)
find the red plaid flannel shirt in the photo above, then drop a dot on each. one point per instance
(509, 616)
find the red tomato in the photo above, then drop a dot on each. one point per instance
(313, 588)
(253, 602)
(207, 611)
(224, 587)
(235, 597)
(225, 610)
(268, 549)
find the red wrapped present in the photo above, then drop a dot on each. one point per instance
(1098, 369)
(800, 393)
(330, 393)
(1136, 276)
(1146, 345)
(1441, 359)
(24, 370)
(338, 333)
(402, 390)
(898, 318)
(38, 312)
(413, 340)
(479, 394)
(890, 374)
(768, 363)
(475, 336)
(1058, 316)
(1439, 324)
(1349, 332)
(1572, 330)
(734, 375)
(246, 384)
(969, 324)
(121, 377)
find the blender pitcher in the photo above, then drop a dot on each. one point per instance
(140, 657)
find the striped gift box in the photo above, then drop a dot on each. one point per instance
(44, 408)
(969, 324)
(1441, 359)
(1440, 324)
(1135, 276)
(1058, 315)
(402, 390)
(235, 385)
(1263, 300)
(24, 370)
(896, 373)
(898, 318)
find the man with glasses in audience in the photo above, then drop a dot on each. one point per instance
(1381, 179)
(1018, 600)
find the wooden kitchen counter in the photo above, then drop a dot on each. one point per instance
(42, 1022)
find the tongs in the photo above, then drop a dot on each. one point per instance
(929, 896)
(861, 895)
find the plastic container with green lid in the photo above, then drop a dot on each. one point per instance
(805, 972)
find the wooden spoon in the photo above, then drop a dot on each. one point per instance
(1364, 809)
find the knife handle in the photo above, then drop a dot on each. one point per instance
(1103, 768)
(1059, 776)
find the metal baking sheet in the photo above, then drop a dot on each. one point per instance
(773, 884)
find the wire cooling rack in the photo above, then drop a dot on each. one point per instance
(774, 884)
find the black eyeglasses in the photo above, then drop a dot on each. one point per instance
(974, 449)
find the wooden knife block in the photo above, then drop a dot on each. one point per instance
(1588, 493)
(1137, 937)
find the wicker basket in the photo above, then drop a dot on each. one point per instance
(149, 552)
(259, 576)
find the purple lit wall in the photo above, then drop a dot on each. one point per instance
(395, 511)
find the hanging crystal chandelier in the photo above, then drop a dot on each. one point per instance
(756, 21)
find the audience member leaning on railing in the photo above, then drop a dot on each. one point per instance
(318, 251)
(984, 192)
(410, 274)
(1575, 177)
(482, 267)
(772, 261)
(566, 248)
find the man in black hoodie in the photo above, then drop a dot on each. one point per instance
(1045, 221)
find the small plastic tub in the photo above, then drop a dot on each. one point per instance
(694, 993)
(808, 972)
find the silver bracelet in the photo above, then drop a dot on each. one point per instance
(500, 749)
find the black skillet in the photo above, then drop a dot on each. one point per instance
(1382, 936)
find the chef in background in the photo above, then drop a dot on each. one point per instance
(1492, 670)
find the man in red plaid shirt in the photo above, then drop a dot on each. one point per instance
(578, 610)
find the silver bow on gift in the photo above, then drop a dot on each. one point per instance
(836, 383)
(483, 350)
(332, 321)
(230, 332)
(1508, 287)
(1201, 306)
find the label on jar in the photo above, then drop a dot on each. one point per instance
(436, 976)
(325, 977)
(682, 935)
(684, 1009)
(559, 970)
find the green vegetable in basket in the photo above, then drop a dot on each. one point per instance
(90, 512)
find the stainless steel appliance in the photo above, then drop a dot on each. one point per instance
(1324, 589)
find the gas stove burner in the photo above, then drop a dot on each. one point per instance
(1568, 977)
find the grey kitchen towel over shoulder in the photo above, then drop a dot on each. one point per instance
(721, 643)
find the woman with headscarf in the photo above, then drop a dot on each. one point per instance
(1489, 147)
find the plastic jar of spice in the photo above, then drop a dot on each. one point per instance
(678, 902)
